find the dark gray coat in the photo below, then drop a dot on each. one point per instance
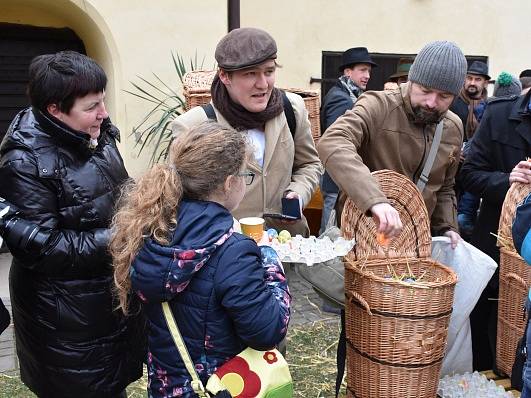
(501, 141)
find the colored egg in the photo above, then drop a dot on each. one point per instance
(284, 236)
(272, 234)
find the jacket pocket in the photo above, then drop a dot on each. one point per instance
(84, 309)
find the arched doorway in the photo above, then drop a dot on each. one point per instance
(81, 25)
(19, 44)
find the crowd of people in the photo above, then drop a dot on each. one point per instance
(95, 253)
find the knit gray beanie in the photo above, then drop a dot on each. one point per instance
(440, 65)
(506, 85)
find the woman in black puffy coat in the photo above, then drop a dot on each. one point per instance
(60, 167)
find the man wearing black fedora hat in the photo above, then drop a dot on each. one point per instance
(469, 106)
(356, 66)
(472, 96)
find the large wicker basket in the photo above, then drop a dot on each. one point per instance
(396, 330)
(515, 280)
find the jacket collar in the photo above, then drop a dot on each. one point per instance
(521, 109)
(63, 134)
(405, 89)
(521, 113)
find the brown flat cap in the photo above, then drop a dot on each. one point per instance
(245, 47)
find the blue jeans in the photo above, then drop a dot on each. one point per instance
(466, 212)
(468, 204)
(526, 388)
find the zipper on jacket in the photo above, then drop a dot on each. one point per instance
(421, 164)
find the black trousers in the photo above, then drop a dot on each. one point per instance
(483, 324)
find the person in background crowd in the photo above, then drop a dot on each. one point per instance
(507, 85)
(61, 174)
(244, 97)
(521, 232)
(472, 95)
(469, 106)
(525, 79)
(356, 66)
(400, 76)
(173, 241)
(495, 160)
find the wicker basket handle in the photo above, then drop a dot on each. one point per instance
(351, 295)
(517, 278)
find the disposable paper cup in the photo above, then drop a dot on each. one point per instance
(253, 227)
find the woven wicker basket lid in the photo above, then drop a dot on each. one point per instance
(403, 195)
(198, 81)
(515, 195)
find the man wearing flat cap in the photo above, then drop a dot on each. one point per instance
(396, 130)
(356, 65)
(244, 97)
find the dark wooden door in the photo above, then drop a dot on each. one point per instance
(19, 44)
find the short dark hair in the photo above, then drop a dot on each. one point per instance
(63, 77)
(526, 82)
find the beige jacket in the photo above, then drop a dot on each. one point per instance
(379, 133)
(289, 164)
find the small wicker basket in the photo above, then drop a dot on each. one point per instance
(196, 87)
(515, 280)
(311, 103)
(396, 330)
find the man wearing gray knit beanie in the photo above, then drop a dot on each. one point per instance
(395, 130)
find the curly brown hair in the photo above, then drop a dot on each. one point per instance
(200, 161)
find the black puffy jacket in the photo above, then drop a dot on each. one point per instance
(69, 340)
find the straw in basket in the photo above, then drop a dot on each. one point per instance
(396, 330)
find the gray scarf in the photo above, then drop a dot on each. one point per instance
(353, 90)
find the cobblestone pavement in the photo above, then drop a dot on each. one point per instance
(305, 308)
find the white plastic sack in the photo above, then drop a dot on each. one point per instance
(474, 270)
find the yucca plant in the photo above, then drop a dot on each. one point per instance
(153, 131)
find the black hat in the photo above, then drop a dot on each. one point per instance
(525, 73)
(356, 55)
(479, 68)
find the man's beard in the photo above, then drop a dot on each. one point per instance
(473, 91)
(424, 115)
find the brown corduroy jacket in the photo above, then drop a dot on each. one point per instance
(380, 133)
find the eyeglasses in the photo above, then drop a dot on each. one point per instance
(249, 176)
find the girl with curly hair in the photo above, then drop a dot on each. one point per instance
(173, 240)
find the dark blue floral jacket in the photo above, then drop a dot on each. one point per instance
(225, 292)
